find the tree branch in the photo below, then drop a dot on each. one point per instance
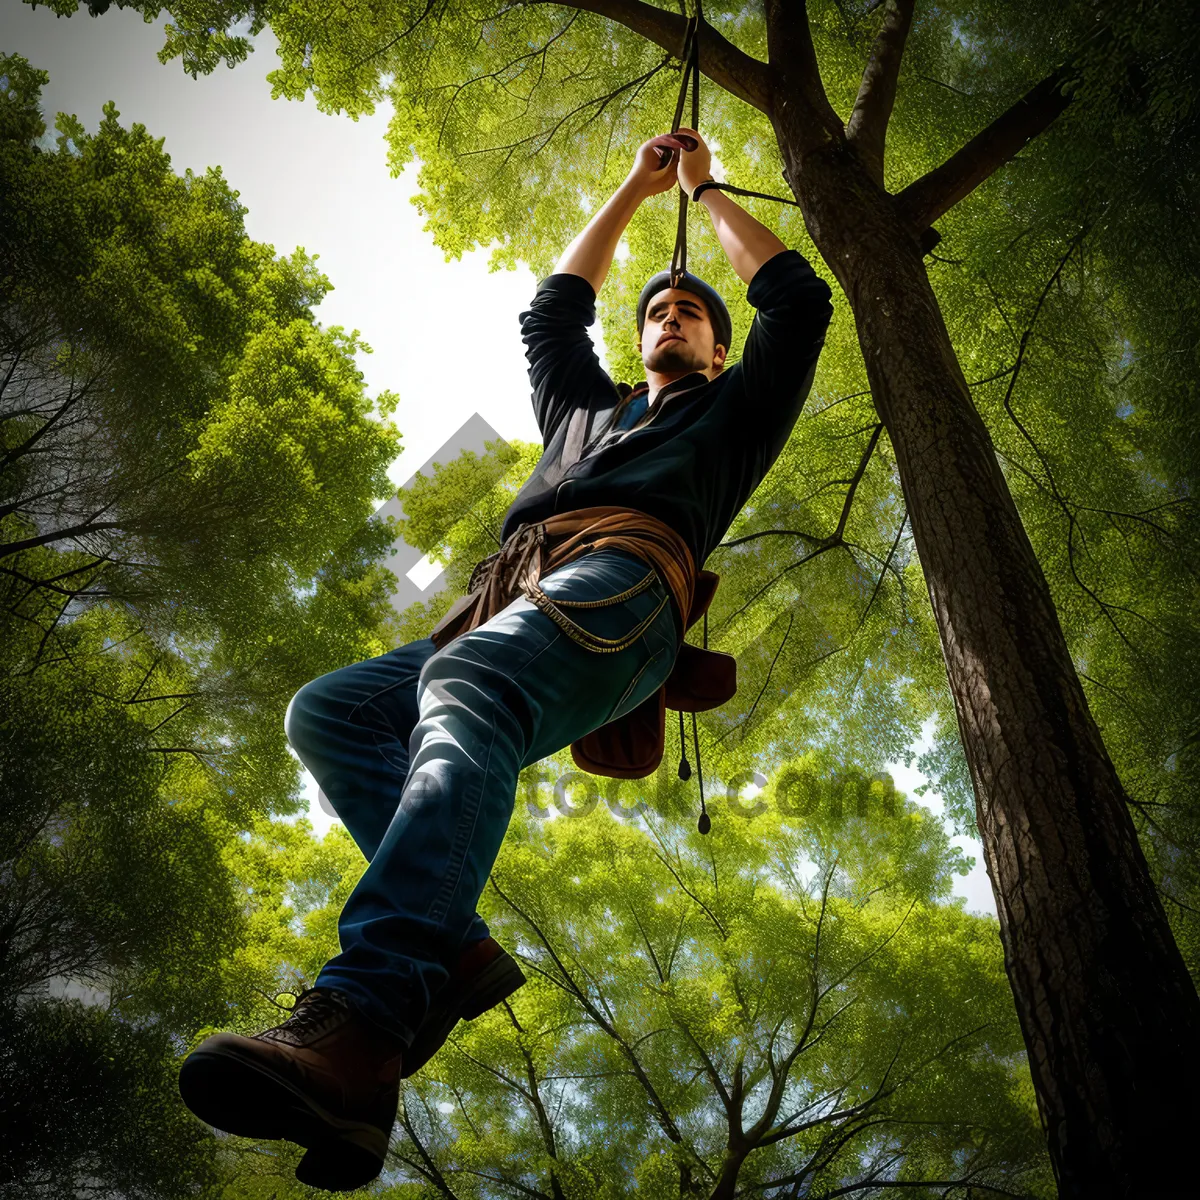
(797, 75)
(868, 123)
(733, 69)
(770, 670)
(835, 539)
(968, 1184)
(388, 45)
(58, 535)
(567, 982)
(939, 190)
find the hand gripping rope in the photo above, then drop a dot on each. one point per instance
(670, 143)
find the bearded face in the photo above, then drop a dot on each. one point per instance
(677, 336)
(673, 353)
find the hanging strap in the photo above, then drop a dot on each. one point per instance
(691, 71)
(675, 141)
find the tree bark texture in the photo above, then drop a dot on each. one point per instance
(1109, 1013)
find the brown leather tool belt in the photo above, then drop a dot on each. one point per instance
(537, 549)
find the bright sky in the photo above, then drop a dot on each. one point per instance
(322, 182)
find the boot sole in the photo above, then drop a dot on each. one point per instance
(499, 979)
(248, 1099)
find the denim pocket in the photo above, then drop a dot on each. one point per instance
(656, 650)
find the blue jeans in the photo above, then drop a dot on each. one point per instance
(418, 752)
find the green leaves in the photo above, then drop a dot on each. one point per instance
(694, 1008)
(85, 1094)
(188, 468)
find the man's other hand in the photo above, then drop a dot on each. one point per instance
(695, 166)
(647, 175)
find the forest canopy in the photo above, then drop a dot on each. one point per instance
(140, 318)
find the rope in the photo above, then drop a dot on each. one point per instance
(584, 637)
(667, 147)
(691, 72)
(691, 75)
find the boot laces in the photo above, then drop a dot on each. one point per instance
(314, 1012)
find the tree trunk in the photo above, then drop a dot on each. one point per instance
(1109, 1014)
(725, 1187)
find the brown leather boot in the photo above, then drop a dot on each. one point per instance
(484, 974)
(327, 1079)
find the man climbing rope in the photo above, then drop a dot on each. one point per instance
(574, 625)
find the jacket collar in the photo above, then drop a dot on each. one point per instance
(685, 383)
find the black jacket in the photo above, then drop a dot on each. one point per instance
(709, 443)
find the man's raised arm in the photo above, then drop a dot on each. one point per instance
(792, 304)
(563, 367)
(591, 253)
(747, 243)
